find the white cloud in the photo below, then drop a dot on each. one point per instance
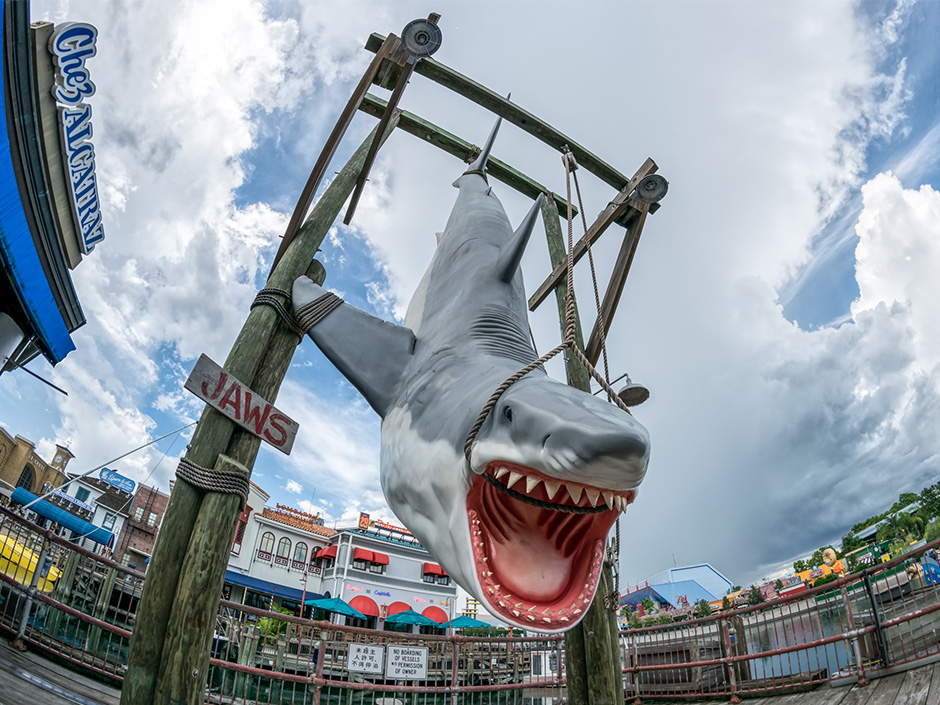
(294, 487)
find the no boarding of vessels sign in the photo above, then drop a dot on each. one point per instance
(406, 663)
(227, 395)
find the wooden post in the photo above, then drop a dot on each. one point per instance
(189, 633)
(252, 361)
(592, 648)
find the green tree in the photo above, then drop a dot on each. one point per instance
(932, 532)
(754, 595)
(799, 566)
(663, 619)
(702, 608)
(725, 603)
(778, 586)
(816, 559)
(850, 543)
(736, 588)
(822, 580)
(648, 605)
(930, 501)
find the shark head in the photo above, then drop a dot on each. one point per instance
(552, 469)
(521, 522)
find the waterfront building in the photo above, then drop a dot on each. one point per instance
(679, 587)
(137, 539)
(97, 501)
(381, 570)
(272, 559)
(21, 466)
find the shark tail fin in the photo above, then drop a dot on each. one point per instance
(510, 254)
(479, 164)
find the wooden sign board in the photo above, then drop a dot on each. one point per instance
(228, 396)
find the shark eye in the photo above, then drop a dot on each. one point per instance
(507, 412)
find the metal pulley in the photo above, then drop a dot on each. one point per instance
(652, 188)
(421, 37)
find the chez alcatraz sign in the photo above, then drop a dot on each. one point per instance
(227, 395)
(71, 44)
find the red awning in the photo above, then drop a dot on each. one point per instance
(433, 569)
(361, 554)
(366, 605)
(380, 558)
(396, 607)
(327, 553)
(435, 613)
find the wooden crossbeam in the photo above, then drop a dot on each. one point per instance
(615, 286)
(622, 204)
(462, 149)
(509, 111)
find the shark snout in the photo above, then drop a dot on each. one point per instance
(572, 435)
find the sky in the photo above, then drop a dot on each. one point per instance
(783, 307)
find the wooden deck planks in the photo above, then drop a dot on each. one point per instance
(915, 687)
(933, 695)
(31, 679)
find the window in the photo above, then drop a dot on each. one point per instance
(108, 522)
(152, 520)
(126, 559)
(138, 513)
(443, 580)
(26, 478)
(360, 564)
(283, 551)
(266, 547)
(429, 577)
(81, 494)
(240, 531)
(376, 568)
(300, 556)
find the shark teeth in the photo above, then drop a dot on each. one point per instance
(577, 494)
(503, 602)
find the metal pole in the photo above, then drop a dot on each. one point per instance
(853, 638)
(17, 642)
(882, 644)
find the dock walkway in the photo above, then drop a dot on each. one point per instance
(31, 679)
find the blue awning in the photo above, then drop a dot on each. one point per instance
(21, 261)
(63, 518)
(267, 587)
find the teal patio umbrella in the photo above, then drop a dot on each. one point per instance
(334, 604)
(465, 622)
(412, 617)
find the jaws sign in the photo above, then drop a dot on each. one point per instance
(227, 395)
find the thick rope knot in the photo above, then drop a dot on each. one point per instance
(312, 313)
(269, 297)
(213, 480)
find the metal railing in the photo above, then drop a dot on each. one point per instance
(854, 628)
(80, 606)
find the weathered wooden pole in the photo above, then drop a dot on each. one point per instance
(259, 357)
(592, 648)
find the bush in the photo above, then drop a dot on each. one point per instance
(932, 532)
(663, 619)
(648, 622)
(825, 579)
(702, 608)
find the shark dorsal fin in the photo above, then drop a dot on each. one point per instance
(510, 253)
(479, 164)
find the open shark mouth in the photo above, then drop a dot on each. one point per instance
(538, 543)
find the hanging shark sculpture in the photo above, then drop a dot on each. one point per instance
(521, 526)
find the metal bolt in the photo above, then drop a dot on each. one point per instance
(591, 634)
(195, 672)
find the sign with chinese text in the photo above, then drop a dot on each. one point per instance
(364, 658)
(227, 395)
(406, 663)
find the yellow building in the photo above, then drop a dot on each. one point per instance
(20, 466)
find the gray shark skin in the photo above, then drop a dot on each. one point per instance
(522, 526)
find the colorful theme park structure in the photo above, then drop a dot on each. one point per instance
(493, 462)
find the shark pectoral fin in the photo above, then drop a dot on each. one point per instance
(510, 253)
(369, 352)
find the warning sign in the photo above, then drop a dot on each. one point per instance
(406, 663)
(365, 659)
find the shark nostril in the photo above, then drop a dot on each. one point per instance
(545, 441)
